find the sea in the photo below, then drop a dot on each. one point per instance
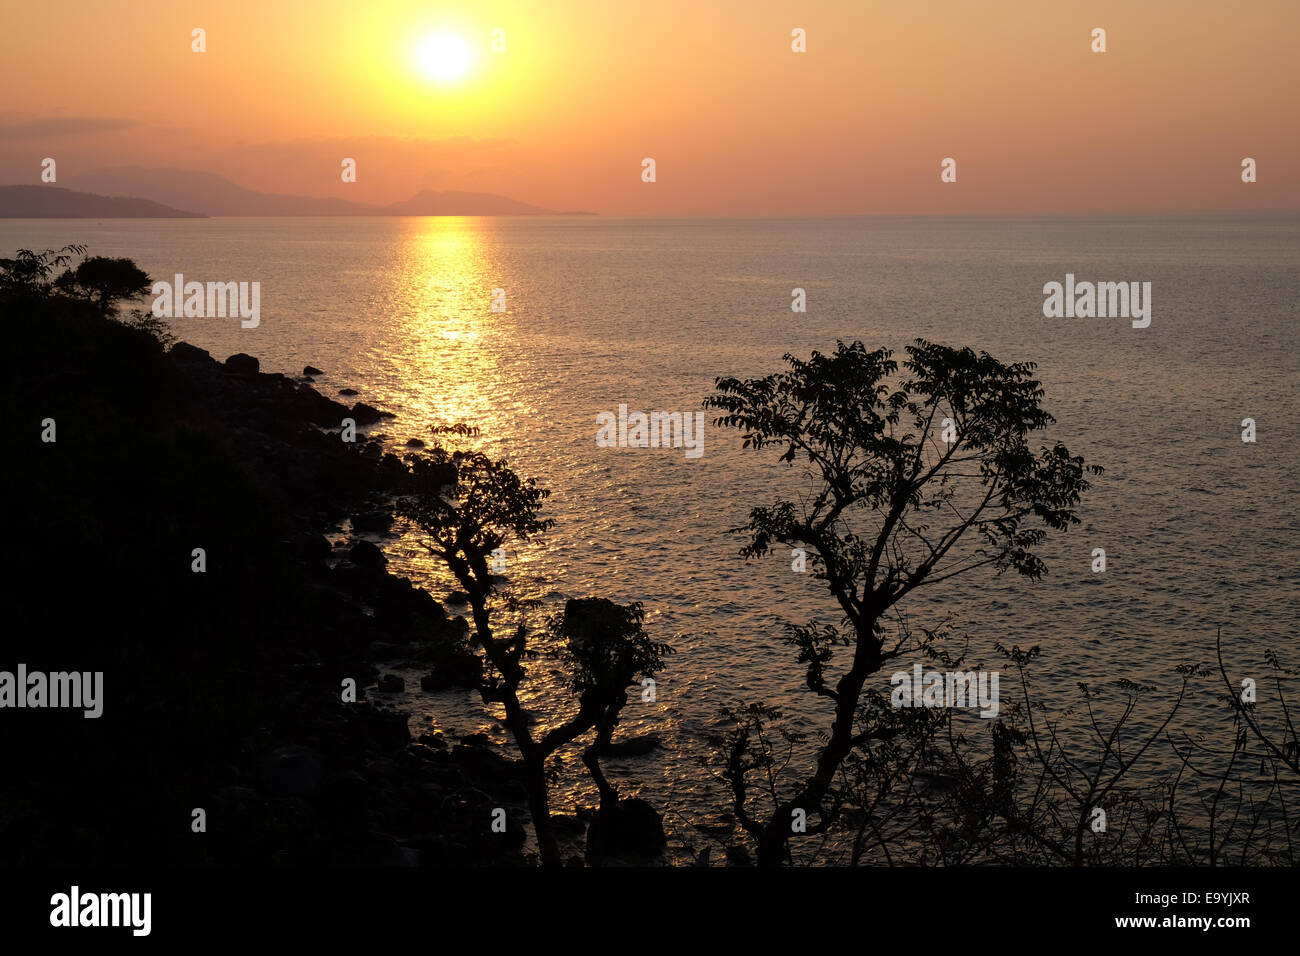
(1201, 530)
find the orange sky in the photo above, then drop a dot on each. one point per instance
(737, 123)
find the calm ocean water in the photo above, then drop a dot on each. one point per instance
(1200, 529)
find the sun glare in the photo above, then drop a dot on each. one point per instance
(445, 57)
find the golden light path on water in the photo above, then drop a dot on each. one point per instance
(440, 294)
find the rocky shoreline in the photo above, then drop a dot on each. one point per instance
(224, 687)
(383, 799)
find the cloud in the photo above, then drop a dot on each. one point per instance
(64, 126)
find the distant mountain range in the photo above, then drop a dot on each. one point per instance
(207, 194)
(51, 202)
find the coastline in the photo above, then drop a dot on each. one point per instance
(182, 449)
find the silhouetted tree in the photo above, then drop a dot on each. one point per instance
(29, 272)
(914, 483)
(106, 282)
(606, 650)
(468, 505)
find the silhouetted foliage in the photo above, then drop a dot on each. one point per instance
(30, 272)
(106, 282)
(605, 650)
(467, 505)
(895, 507)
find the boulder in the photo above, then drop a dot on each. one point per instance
(368, 557)
(351, 578)
(392, 468)
(311, 547)
(372, 522)
(635, 747)
(312, 370)
(391, 684)
(368, 414)
(453, 670)
(242, 363)
(184, 352)
(631, 831)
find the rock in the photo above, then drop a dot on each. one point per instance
(397, 601)
(385, 729)
(457, 597)
(242, 363)
(634, 747)
(368, 557)
(349, 577)
(368, 414)
(184, 352)
(372, 522)
(486, 766)
(392, 467)
(414, 443)
(454, 670)
(291, 771)
(348, 391)
(312, 370)
(476, 740)
(312, 547)
(391, 684)
(632, 831)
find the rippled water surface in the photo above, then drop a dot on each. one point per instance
(1200, 529)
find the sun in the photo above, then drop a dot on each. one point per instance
(444, 57)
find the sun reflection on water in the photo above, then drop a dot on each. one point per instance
(441, 296)
(449, 360)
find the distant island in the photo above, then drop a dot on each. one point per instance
(163, 192)
(52, 202)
